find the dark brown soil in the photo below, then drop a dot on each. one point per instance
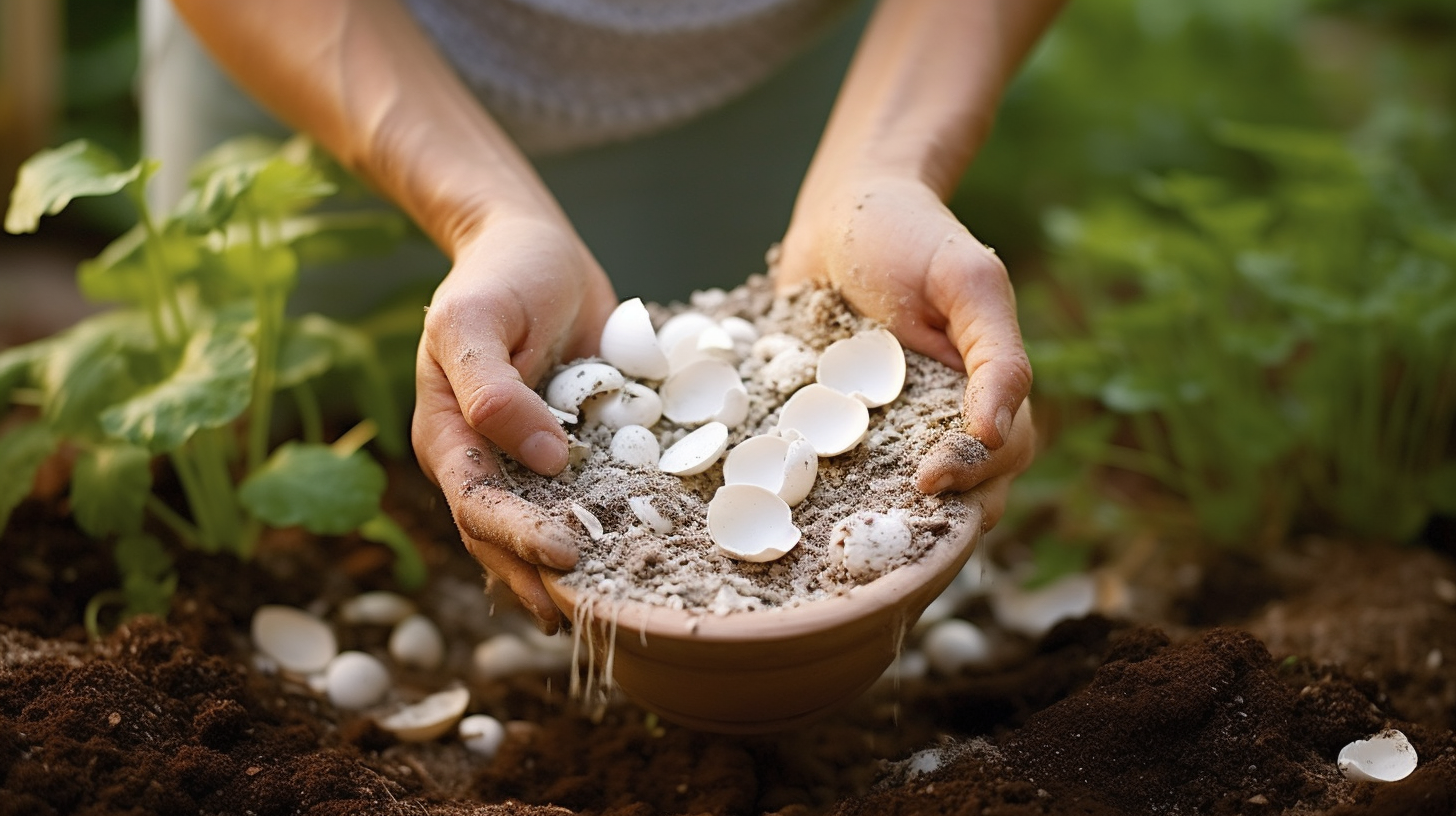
(1235, 702)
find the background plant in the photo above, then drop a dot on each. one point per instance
(191, 365)
(1275, 353)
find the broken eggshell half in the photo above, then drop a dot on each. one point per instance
(751, 523)
(632, 404)
(430, 718)
(787, 465)
(869, 366)
(695, 452)
(630, 343)
(705, 391)
(573, 384)
(299, 642)
(833, 422)
(1384, 757)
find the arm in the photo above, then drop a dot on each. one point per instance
(363, 80)
(870, 217)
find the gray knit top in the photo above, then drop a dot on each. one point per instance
(565, 74)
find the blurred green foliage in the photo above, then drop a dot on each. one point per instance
(1239, 330)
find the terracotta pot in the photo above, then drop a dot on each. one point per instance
(766, 670)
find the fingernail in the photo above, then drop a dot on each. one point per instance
(942, 483)
(544, 453)
(1003, 423)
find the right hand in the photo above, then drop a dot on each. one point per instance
(524, 293)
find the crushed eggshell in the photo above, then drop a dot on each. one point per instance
(430, 718)
(834, 423)
(569, 388)
(297, 641)
(695, 452)
(867, 542)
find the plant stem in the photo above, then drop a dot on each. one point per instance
(355, 438)
(185, 530)
(186, 468)
(309, 414)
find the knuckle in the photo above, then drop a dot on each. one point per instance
(491, 405)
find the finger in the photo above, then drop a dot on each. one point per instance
(514, 582)
(984, 329)
(489, 393)
(459, 460)
(959, 462)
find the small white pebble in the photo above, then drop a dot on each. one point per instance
(416, 641)
(954, 645)
(379, 608)
(482, 734)
(356, 680)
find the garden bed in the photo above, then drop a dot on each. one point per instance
(1230, 689)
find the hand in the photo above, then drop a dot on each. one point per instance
(899, 256)
(523, 293)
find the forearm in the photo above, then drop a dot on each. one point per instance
(922, 90)
(363, 80)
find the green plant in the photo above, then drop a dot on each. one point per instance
(1275, 354)
(191, 364)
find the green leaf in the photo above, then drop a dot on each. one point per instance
(1053, 558)
(120, 273)
(409, 567)
(251, 264)
(22, 451)
(314, 487)
(109, 489)
(86, 370)
(16, 364)
(309, 348)
(50, 179)
(329, 238)
(210, 387)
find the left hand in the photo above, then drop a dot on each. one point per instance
(899, 256)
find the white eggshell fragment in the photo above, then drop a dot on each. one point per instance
(956, 644)
(430, 718)
(787, 466)
(297, 641)
(705, 391)
(790, 370)
(568, 389)
(869, 542)
(712, 343)
(833, 422)
(635, 445)
(869, 366)
(1384, 757)
(632, 404)
(592, 524)
(649, 515)
(750, 523)
(506, 655)
(630, 343)
(743, 332)
(416, 642)
(695, 452)
(355, 680)
(482, 734)
(683, 327)
(376, 608)
(1033, 612)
